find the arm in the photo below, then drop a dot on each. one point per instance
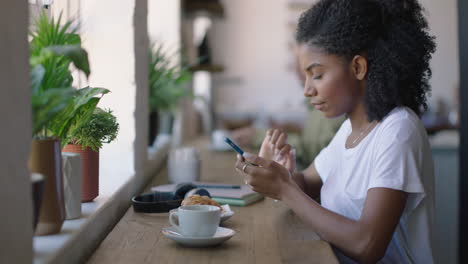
(309, 181)
(365, 239)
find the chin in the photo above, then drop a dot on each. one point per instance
(331, 114)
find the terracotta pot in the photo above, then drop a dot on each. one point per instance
(89, 170)
(37, 182)
(46, 159)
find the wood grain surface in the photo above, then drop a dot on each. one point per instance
(266, 232)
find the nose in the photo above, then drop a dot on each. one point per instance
(309, 89)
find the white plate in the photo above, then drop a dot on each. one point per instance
(222, 234)
(225, 215)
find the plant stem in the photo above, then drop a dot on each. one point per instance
(45, 131)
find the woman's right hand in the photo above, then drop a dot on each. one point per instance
(274, 147)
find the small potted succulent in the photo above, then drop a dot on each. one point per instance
(86, 140)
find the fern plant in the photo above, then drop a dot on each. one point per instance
(101, 128)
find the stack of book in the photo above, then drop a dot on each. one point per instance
(237, 195)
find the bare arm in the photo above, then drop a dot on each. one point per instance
(309, 181)
(365, 239)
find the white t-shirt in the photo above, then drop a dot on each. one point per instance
(395, 154)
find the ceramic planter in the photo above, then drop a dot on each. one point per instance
(89, 171)
(46, 159)
(71, 163)
(153, 127)
(37, 188)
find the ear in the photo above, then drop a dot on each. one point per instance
(359, 67)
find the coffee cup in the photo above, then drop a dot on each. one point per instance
(196, 220)
(184, 165)
(217, 139)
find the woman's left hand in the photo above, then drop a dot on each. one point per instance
(268, 178)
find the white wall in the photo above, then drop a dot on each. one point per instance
(164, 22)
(252, 43)
(111, 40)
(443, 21)
(15, 135)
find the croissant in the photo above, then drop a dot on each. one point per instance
(200, 200)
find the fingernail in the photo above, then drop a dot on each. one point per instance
(248, 155)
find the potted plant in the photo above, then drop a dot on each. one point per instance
(168, 80)
(54, 47)
(86, 140)
(51, 93)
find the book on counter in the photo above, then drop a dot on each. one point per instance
(237, 195)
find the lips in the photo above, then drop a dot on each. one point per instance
(318, 105)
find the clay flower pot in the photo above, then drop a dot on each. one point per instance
(46, 159)
(89, 170)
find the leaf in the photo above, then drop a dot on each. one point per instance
(77, 112)
(167, 79)
(37, 75)
(101, 128)
(47, 105)
(75, 53)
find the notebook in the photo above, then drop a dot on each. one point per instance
(233, 196)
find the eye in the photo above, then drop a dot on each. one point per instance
(318, 77)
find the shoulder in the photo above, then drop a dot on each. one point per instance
(402, 124)
(399, 132)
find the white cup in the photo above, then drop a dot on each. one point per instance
(217, 139)
(196, 220)
(184, 165)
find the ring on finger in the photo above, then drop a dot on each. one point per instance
(244, 167)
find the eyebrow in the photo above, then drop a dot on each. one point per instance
(315, 64)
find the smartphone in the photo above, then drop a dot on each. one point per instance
(234, 146)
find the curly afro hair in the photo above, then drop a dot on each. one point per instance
(393, 34)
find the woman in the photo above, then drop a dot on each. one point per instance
(368, 59)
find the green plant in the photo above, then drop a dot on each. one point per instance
(57, 107)
(77, 113)
(167, 79)
(101, 128)
(55, 46)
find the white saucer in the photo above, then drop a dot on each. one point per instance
(222, 234)
(225, 215)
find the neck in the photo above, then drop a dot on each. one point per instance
(358, 118)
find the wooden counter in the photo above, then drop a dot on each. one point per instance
(267, 231)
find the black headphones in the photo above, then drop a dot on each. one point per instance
(161, 202)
